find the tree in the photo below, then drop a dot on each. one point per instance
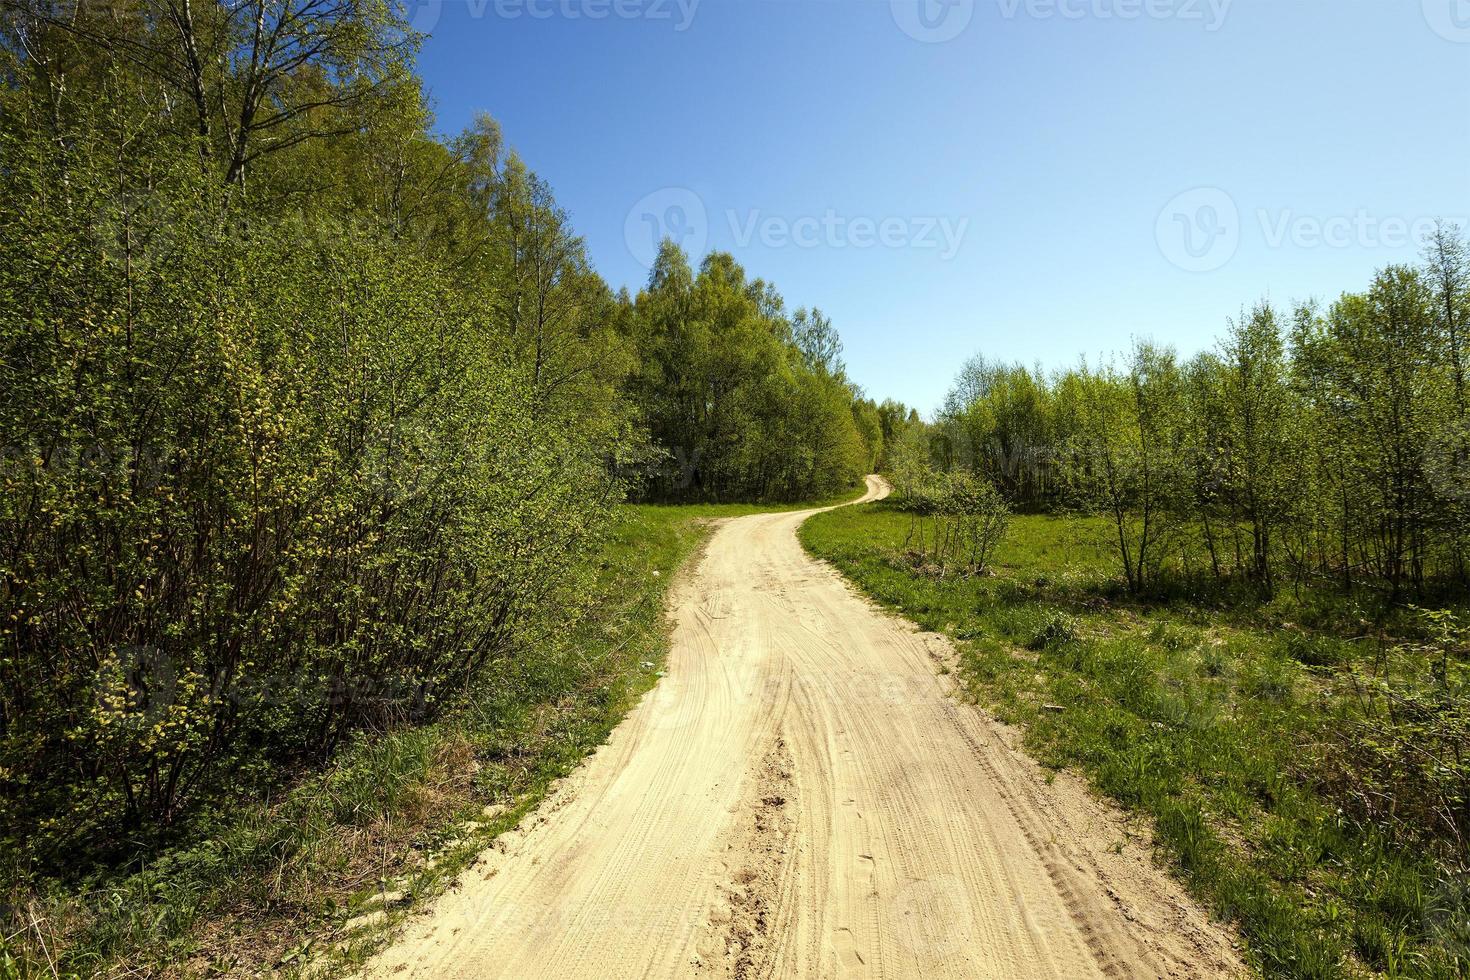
(818, 342)
(277, 470)
(743, 401)
(1380, 355)
(1447, 267)
(1258, 432)
(258, 77)
(1127, 456)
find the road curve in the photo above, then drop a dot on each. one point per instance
(803, 796)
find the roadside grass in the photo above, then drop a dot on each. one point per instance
(1221, 718)
(313, 880)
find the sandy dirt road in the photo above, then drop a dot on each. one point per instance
(803, 796)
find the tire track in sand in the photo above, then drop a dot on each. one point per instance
(802, 796)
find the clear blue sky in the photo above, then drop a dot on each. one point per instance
(1050, 140)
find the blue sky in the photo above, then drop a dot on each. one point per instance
(1057, 177)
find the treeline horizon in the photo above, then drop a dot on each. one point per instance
(314, 421)
(1320, 443)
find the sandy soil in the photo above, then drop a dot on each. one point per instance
(803, 796)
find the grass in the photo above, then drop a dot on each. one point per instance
(1227, 721)
(314, 879)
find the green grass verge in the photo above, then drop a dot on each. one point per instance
(1217, 718)
(318, 876)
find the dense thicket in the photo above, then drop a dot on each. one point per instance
(1329, 444)
(1261, 582)
(311, 419)
(745, 400)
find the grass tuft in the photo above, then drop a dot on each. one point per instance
(317, 876)
(1301, 777)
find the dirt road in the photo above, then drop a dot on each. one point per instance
(802, 796)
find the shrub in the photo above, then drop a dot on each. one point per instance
(1401, 760)
(1057, 629)
(1312, 650)
(956, 519)
(263, 489)
(974, 517)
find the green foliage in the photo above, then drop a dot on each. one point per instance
(255, 498)
(1058, 629)
(273, 885)
(956, 520)
(745, 402)
(1400, 758)
(315, 423)
(1320, 804)
(1333, 448)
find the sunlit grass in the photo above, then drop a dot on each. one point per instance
(319, 874)
(1203, 710)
